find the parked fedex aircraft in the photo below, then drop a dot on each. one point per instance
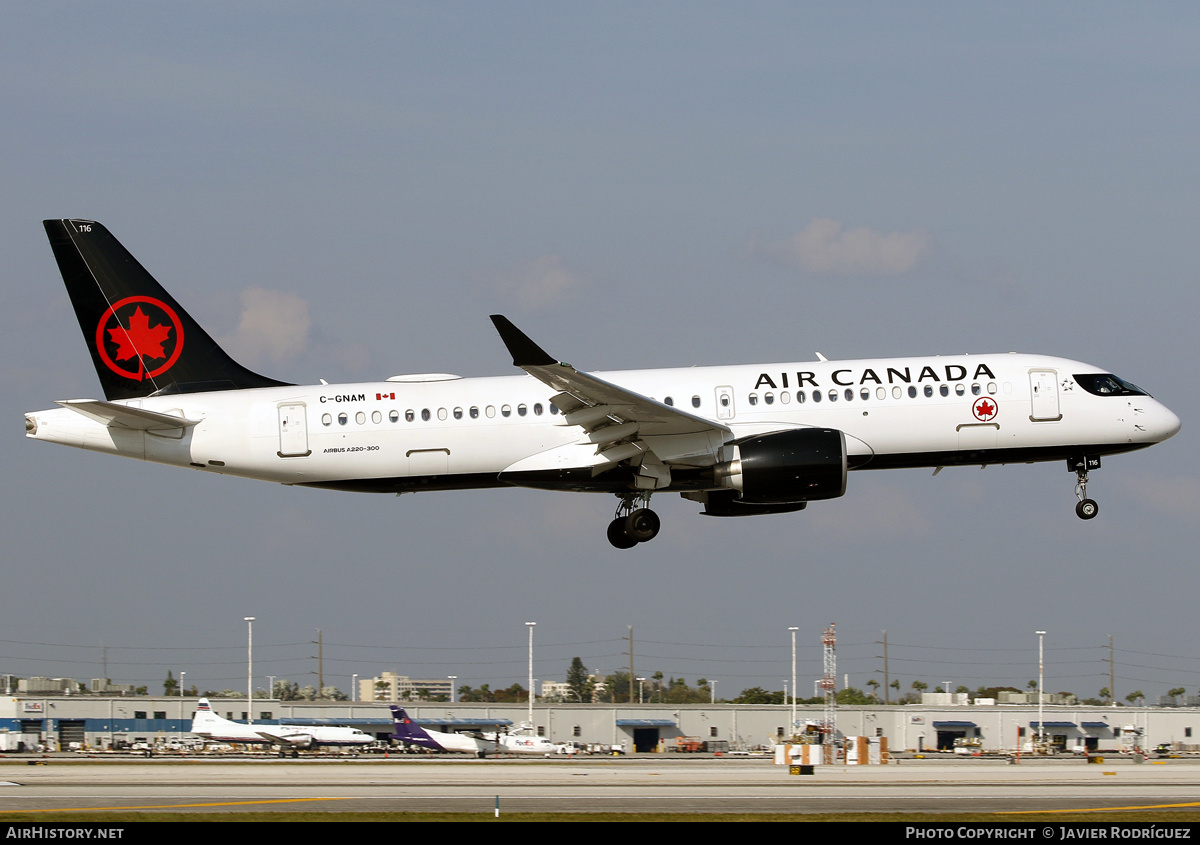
(739, 440)
(212, 727)
(522, 743)
(410, 733)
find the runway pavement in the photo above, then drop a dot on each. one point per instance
(656, 783)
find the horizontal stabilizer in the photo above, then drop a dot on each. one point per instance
(112, 414)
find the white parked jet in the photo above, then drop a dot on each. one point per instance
(740, 440)
(521, 743)
(410, 733)
(212, 727)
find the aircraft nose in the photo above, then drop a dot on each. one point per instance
(1169, 423)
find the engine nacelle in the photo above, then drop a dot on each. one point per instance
(797, 465)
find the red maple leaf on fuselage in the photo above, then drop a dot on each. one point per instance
(140, 339)
(986, 409)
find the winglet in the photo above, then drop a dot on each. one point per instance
(525, 352)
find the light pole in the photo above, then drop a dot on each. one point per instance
(249, 620)
(530, 626)
(181, 674)
(793, 725)
(354, 687)
(1041, 696)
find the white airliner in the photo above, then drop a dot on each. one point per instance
(526, 743)
(409, 732)
(740, 440)
(212, 727)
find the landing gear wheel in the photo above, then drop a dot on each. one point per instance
(617, 535)
(1087, 508)
(642, 525)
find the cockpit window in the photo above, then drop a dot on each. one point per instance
(1106, 384)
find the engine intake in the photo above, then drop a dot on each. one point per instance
(798, 465)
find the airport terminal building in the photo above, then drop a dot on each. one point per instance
(93, 722)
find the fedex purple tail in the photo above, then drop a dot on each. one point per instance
(406, 730)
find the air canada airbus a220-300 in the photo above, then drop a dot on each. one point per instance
(740, 440)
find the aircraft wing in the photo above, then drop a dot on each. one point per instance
(114, 414)
(286, 737)
(620, 423)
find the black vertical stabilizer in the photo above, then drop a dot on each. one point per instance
(142, 342)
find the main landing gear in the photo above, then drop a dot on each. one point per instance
(634, 523)
(1087, 508)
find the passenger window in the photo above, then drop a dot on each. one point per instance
(959, 389)
(393, 416)
(537, 409)
(695, 401)
(409, 415)
(785, 397)
(975, 389)
(474, 412)
(669, 401)
(553, 409)
(343, 418)
(753, 398)
(425, 415)
(912, 392)
(944, 390)
(769, 398)
(490, 411)
(442, 413)
(865, 393)
(833, 396)
(376, 417)
(800, 396)
(991, 388)
(522, 410)
(928, 391)
(458, 413)
(506, 410)
(849, 393)
(880, 393)
(897, 392)
(326, 419)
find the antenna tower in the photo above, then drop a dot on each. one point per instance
(829, 690)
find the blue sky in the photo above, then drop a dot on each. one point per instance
(347, 191)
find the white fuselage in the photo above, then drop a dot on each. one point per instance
(445, 432)
(216, 729)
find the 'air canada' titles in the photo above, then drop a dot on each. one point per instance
(891, 375)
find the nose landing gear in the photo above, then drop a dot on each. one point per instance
(634, 523)
(1087, 508)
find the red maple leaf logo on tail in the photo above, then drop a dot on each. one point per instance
(140, 339)
(139, 342)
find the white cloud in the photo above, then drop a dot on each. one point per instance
(536, 283)
(273, 327)
(825, 247)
